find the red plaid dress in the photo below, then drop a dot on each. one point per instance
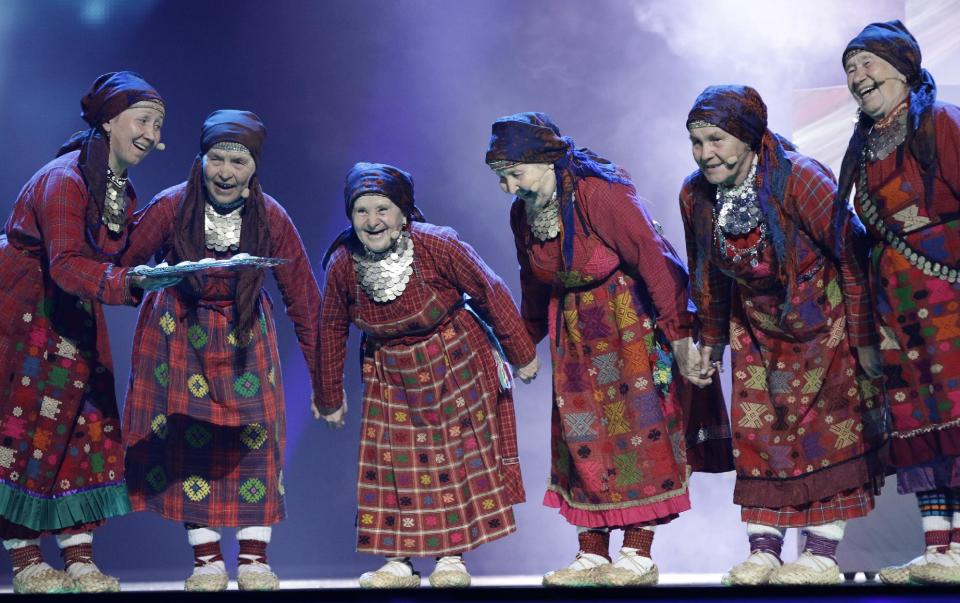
(204, 414)
(438, 468)
(617, 436)
(61, 462)
(807, 424)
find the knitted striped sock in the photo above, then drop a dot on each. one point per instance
(251, 552)
(595, 542)
(767, 543)
(25, 556)
(639, 539)
(821, 546)
(935, 503)
(938, 540)
(77, 553)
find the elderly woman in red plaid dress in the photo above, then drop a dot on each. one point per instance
(438, 470)
(771, 279)
(204, 414)
(61, 466)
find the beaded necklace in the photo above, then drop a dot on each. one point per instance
(385, 275)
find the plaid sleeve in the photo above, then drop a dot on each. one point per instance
(711, 288)
(150, 229)
(814, 192)
(298, 287)
(61, 207)
(534, 295)
(619, 217)
(334, 329)
(464, 268)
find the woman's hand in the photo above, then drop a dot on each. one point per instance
(711, 361)
(153, 283)
(689, 362)
(870, 362)
(528, 372)
(337, 418)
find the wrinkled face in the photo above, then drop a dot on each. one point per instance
(226, 174)
(875, 84)
(723, 158)
(133, 134)
(377, 221)
(535, 183)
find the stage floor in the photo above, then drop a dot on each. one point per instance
(506, 589)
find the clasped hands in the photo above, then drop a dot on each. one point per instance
(337, 418)
(697, 365)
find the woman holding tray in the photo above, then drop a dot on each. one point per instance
(60, 468)
(204, 415)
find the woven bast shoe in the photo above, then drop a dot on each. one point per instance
(207, 582)
(45, 581)
(257, 576)
(755, 571)
(450, 572)
(95, 581)
(393, 574)
(811, 571)
(584, 571)
(937, 568)
(630, 569)
(898, 574)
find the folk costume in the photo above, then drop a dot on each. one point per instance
(610, 293)
(766, 279)
(61, 461)
(204, 415)
(906, 171)
(438, 470)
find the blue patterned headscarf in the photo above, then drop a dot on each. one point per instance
(381, 179)
(532, 137)
(741, 112)
(374, 179)
(892, 42)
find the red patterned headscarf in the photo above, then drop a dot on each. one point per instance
(109, 95)
(189, 238)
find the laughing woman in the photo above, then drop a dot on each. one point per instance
(904, 158)
(204, 413)
(61, 465)
(439, 470)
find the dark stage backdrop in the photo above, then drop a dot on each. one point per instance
(415, 83)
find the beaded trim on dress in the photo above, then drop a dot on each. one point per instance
(883, 139)
(115, 203)
(870, 213)
(737, 213)
(739, 210)
(385, 275)
(222, 230)
(545, 224)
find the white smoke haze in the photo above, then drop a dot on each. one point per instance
(744, 35)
